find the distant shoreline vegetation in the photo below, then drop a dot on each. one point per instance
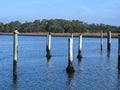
(56, 26)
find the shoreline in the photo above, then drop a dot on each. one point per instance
(90, 35)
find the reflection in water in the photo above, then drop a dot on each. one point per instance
(101, 52)
(70, 81)
(118, 80)
(70, 75)
(49, 62)
(48, 76)
(80, 63)
(15, 77)
(48, 58)
(15, 82)
(108, 54)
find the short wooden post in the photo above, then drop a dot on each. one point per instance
(109, 40)
(80, 47)
(48, 46)
(70, 67)
(119, 52)
(101, 40)
(15, 52)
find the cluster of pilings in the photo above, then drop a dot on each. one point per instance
(109, 45)
(70, 67)
(108, 40)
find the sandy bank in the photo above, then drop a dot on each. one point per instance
(114, 35)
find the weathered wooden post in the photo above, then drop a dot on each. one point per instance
(101, 40)
(15, 53)
(48, 46)
(80, 47)
(109, 40)
(119, 52)
(70, 67)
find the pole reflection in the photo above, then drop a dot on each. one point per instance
(118, 81)
(108, 53)
(70, 81)
(15, 82)
(49, 62)
(79, 64)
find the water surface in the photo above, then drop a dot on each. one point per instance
(95, 71)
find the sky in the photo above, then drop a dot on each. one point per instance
(89, 11)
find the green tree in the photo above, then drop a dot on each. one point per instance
(56, 25)
(26, 27)
(36, 26)
(1, 27)
(43, 25)
(14, 26)
(7, 28)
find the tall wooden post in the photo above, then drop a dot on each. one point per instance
(101, 40)
(48, 46)
(15, 53)
(119, 52)
(70, 67)
(80, 47)
(109, 40)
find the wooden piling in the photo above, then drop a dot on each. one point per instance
(101, 40)
(15, 53)
(80, 47)
(70, 67)
(48, 46)
(109, 40)
(119, 52)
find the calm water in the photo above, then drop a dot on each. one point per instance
(95, 71)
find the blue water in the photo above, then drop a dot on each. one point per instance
(95, 71)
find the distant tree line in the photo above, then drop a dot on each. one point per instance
(56, 26)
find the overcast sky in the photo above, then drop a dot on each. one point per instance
(90, 11)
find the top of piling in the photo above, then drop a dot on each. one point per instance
(16, 32)
(49, 33)
(80, 34)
